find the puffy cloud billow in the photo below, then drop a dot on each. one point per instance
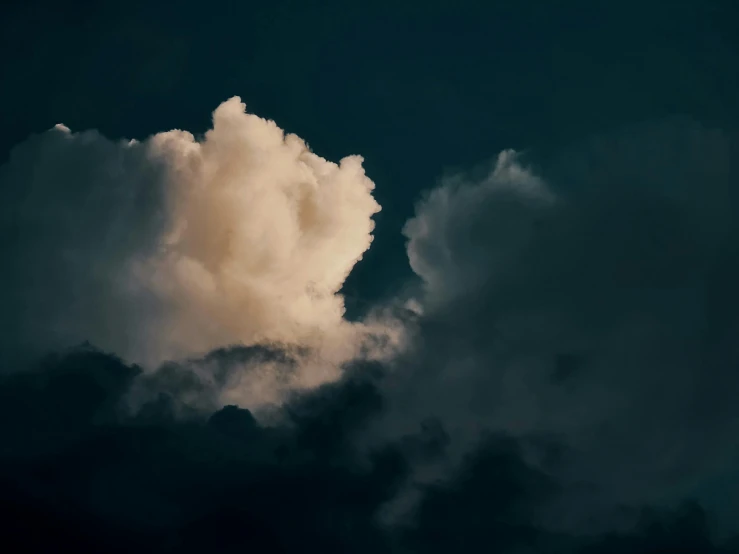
(565, 382)
(173, 246)
(594, 300)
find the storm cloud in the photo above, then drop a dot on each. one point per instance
(561, 380)
(589, 295)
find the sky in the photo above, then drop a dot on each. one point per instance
(398, 277)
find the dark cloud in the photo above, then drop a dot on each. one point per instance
(192, 387)
(79, 470)
(64, 232)
(571, 381)
(589, 296)
(76, 460)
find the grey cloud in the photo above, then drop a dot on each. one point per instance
(591, 300)
(572, 359)
(71, 216)
(78, 470)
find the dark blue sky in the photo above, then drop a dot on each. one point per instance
(417, 88)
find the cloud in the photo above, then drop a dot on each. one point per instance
(591, 300)
(78, 469)
(496, 214)
(570, 354)
(173, 246)
(76, 454)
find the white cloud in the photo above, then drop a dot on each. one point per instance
(172, 246)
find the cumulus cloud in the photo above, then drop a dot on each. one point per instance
(176, 245)
(496, 214)
(568, 358)
(592, 300)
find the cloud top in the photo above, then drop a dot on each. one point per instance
(175, 245)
